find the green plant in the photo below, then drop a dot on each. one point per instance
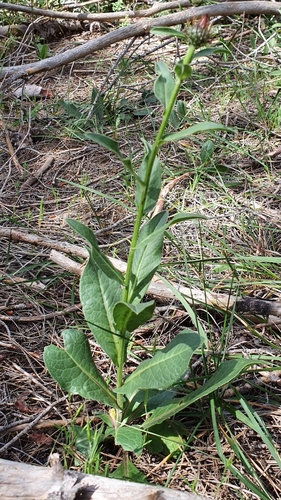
(113, 303)
(42, 50)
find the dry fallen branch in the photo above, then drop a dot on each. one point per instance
(138, 29)
(157, 288)
(26, 482)
(249, 305)
(12, 152)
(12, 280)
(14, 29)
(34, 177)
(24, 431)
(39, 317)
(100, 17)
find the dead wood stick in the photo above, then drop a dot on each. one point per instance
(34, 177)
(14, 280)
(165, 191)
(100, 17)
(39, 317)
(26, 482)
(138, 29)
(34, 239)
(12, 152)
(157, 288)
(28, 427)
(16, 307)
(47, 424)
(223, 301)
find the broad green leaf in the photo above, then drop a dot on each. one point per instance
(156, 397)
(98, 295)
(166, 367)
(174, 119)
(182, 216)
(211, 50)
(128, 317)
(195, 129)
(167, 32)
(74, 369)
(99, 258)
(277, 72)
(127, 470)
(147, 256)
(226, 372)
(154, 185)
(183, 71)
(165, 438)
(130, 438)
(144, 402)
(164, 84)
(207, 151)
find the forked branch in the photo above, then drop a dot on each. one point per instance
(138, 29)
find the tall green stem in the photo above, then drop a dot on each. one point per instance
(140, 209)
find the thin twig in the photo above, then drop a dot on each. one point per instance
(47, 424)
(100, 17)
(12, 152)
(31, 424)
(36, 175)
(40, 317)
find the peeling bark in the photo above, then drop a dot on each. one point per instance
(27, 482)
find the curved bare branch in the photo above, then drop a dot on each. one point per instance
(100, 17)
(138, 29)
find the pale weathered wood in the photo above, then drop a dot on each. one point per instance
(29, 482)
(139, 28)
(251, 305)
(224, 301)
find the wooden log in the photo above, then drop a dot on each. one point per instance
(29, 482)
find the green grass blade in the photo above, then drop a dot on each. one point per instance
(225, 373)
(244, 479)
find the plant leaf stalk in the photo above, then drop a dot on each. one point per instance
(140, 209)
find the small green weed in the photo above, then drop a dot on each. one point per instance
(42, 50)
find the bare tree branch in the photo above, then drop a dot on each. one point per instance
(138, 29)
(157, 288)
(100, 17)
